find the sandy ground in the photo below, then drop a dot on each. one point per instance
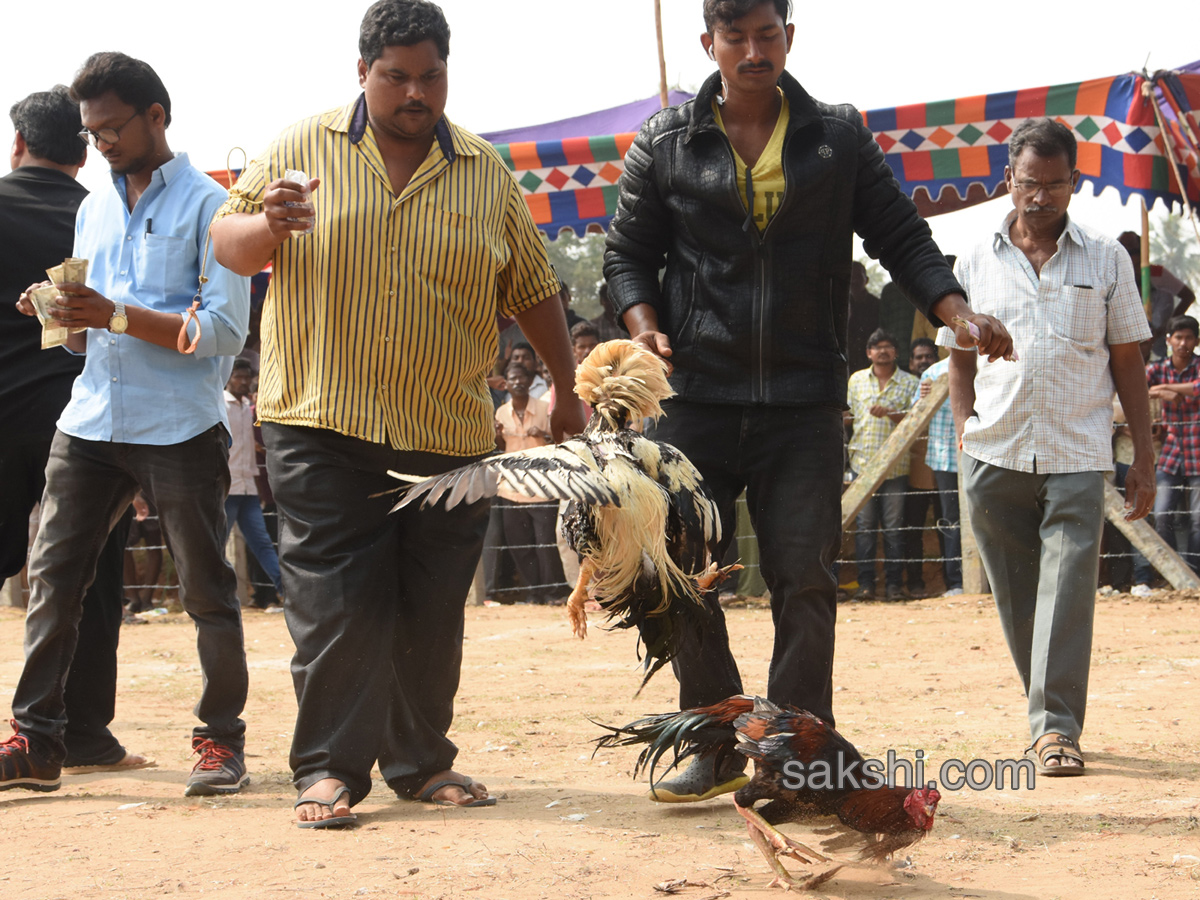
(931, 675)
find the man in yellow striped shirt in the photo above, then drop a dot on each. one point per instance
(378, 332)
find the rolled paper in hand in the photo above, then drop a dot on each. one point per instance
(973, 330)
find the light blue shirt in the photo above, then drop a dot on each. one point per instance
(132, 391)
(942, 455)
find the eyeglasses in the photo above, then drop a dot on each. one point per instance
(108, 135)
(1057, 189)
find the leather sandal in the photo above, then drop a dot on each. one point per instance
(1055, 746)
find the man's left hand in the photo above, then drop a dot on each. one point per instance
(567, 418)
(81, 307)
(879, 411)
(1140, 488)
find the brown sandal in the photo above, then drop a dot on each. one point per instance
(1055, 746)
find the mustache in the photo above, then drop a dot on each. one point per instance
(766, 66)
(1034, 208)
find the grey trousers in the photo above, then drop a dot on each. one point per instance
(1039, 538)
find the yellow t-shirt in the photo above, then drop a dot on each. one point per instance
(767, 174)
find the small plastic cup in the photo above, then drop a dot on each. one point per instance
(301, 179)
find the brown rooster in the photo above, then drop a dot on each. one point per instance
(803, 766)
(639, 516)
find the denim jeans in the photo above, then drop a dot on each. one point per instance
(885, 509)
(789, 461)
(947, 483)
(246, 511)
(1179, 491)
(89, 485)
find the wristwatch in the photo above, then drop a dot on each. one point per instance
(117, 323)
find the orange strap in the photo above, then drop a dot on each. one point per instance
(189, 315)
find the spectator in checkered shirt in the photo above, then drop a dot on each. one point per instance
(880, 396)
(1173, 381)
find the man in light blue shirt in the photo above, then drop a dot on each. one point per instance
(147, 412)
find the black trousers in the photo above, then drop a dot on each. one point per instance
(89, 486)
(789, 461)
(916, 507)
(529, 537)
(92, 679)
(374, 602)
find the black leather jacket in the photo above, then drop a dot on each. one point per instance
(761, 318)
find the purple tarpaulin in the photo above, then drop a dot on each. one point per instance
(617, 120)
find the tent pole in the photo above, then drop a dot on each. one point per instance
(662, 57)
(1144, 275)
(1182, 182)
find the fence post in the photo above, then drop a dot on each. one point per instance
(974, 578)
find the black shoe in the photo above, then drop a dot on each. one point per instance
(897, 594)
(21, 766)
(221, 770)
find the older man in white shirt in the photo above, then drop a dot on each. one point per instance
(1035, 431)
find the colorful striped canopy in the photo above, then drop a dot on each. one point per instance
(947, 155)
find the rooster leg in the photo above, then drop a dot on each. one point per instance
(712, 575)
(780, 842)
(578, 598)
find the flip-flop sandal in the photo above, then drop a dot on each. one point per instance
(335, 821)
(426, 796)
(1059, 746)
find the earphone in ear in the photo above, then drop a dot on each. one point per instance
(712, 55)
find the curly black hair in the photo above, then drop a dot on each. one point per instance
(402, 23)
(49, 123)
(132, 80)
(725, 11)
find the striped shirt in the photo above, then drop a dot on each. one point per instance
(942, 455)
(1050, 411)
(871, 432)
(381, 323)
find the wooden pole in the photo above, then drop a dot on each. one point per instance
(973, 575)
(898, 443)
(662, 56)
(1145, 273)
(1157, 551)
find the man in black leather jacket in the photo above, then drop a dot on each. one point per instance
(749, 195)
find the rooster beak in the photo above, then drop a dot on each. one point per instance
(930, 810)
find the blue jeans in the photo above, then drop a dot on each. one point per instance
(947, 485)
(886, 508)
(246, 510)
(1176, 490)
(1118, 568)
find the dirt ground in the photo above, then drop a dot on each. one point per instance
(931, 675)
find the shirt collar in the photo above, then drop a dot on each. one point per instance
(164, 174)
(1004, 237)
(240, 401)
(352, 120)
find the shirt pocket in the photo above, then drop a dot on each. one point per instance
(1080, 316)
(161, 267)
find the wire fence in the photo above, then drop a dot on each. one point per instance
(504, 585)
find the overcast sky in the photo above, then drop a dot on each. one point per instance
(239, 72)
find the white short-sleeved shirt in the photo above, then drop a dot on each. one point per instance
(1049, 411)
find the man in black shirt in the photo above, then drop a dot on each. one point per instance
(38, 200)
